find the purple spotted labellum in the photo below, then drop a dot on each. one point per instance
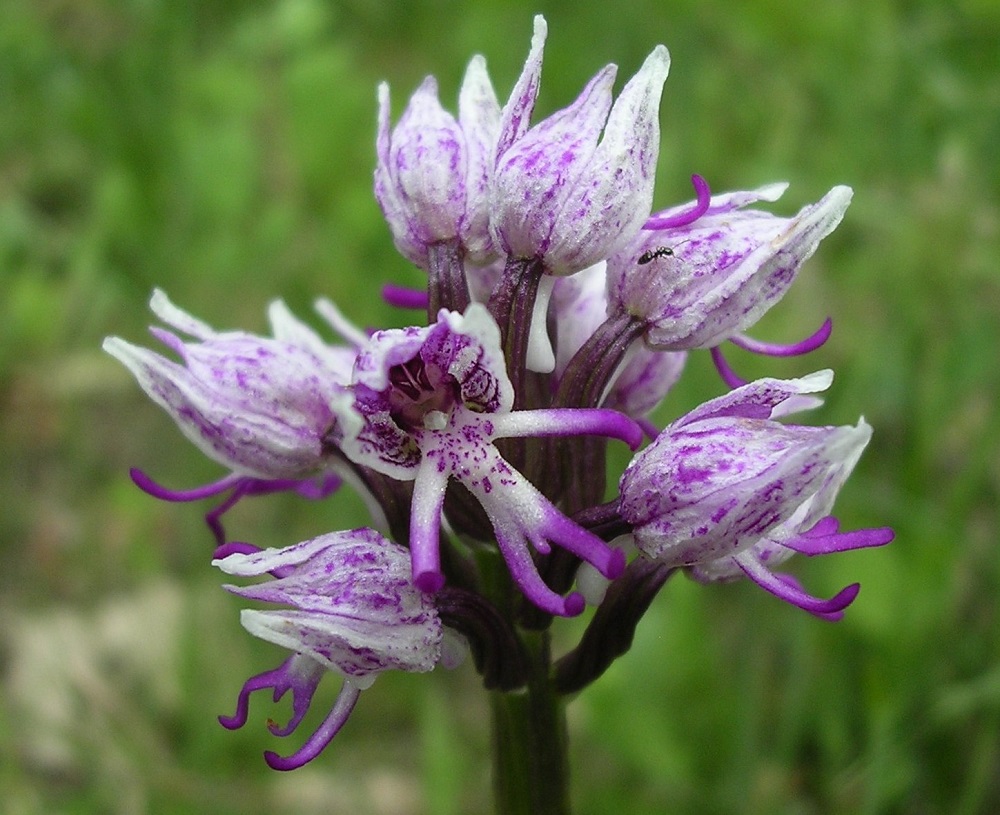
(429, 405)
(352, 610)
(727, 478)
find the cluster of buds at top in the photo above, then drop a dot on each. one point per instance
(560, 310)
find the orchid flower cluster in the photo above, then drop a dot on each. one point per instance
(559, 312)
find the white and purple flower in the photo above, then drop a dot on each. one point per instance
(559, 315)
(428, 406)
(257, 405)
(354, 611)
(563, 192)
(724, 486)
(433, 171)
(260, 406)
(702, 273)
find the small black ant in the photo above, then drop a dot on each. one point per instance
(652, 254)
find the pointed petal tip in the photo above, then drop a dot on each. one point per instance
(113, 346)
(657, 63)
(428, 86)
(841, 192)
(817, 381)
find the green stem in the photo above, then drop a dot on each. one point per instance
(530, 761)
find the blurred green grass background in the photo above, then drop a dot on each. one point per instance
(223, 151)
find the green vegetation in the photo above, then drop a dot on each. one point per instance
(223, 151)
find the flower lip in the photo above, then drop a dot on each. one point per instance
(429, 405)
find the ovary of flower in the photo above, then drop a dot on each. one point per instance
(428, 405)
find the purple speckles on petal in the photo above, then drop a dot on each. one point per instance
(564, 192)
(748, 475)
(697, 283)
(257, 405)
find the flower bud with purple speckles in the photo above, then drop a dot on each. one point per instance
(354, 611)
(699, 284)
(727, 477)
(566, 194)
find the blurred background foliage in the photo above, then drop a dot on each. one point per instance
(223, 151)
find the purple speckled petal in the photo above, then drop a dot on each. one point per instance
(351, 647)
(479, 118)
(610, 199)
(257, 405)
(711, 488)
(389, 200)
(234, 433)
(708, 490)
(515, 118)
(427, 163)
(533, 175)
(757, 399)
(765, 274)
(353, 606)
(698, 285)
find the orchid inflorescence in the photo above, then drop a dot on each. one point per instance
(560, 311)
